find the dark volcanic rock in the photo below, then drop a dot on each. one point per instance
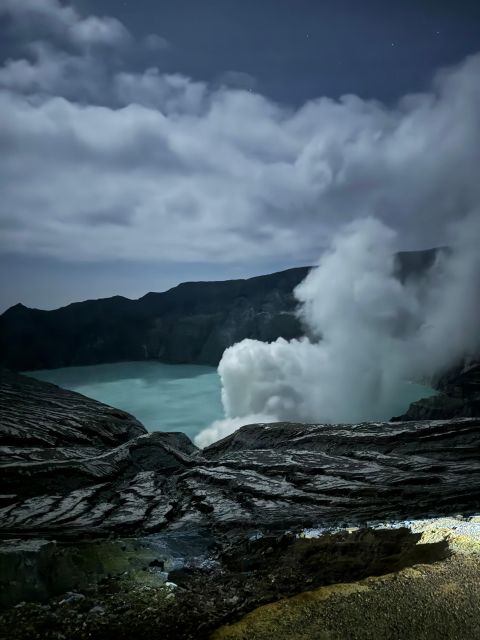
(247, 573)
(459, 395)
(191, 323)
(264, 476)
(40, 414)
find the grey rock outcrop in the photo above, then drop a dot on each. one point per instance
(264, 476)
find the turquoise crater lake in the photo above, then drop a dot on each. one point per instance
(167, 397)
(163, 397)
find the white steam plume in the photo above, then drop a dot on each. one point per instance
(369, 333)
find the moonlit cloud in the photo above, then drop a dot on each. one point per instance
(104, 161)
(53, 20)
(154, 42)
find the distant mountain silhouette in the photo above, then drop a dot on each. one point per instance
(192, 323)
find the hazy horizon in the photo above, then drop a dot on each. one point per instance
(139, 283)
(147, 144)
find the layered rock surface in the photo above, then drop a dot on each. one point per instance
(103, 474)
(43, 416)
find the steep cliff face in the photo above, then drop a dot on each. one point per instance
(191, 323)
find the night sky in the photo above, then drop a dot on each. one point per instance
(144, 143)
(296, 50)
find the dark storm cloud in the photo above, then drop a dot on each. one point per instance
(107, 161)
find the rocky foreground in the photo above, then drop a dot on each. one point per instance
(70, 466)
(426, 601)
(95, 507)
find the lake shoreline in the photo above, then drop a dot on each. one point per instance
(172, 397)
(164, 397)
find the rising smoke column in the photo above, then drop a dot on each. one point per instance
(368, 334)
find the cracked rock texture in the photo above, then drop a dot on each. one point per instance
(73, 467)
(42, 416)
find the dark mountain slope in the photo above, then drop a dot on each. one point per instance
(191, 323)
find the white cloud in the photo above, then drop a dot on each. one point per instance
(371, 337)
(53, 19)
(106, 162)
(153, 42)
(223, 428)
(94, 30)
(27, 10)
(169, 93)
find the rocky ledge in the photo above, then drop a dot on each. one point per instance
(427, 601)
(67, 468)
(41, 417)
(458, 396)
(149, 535)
